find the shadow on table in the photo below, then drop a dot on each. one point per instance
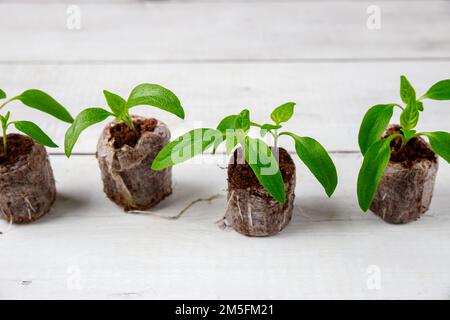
(313, 213)
(64, 206)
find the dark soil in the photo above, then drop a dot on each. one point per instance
(124, 135)
(416, 149)
(19, 146)
(241, 176)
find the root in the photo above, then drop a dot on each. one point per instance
(239, 208)
(9, 225)
(222, 222)
(249, 212)
(301, 212)
(209, 199)
(29, 204)
(176, 217)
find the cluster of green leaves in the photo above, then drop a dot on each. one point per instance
(143, 94)
(377, 151)
(38, 100)
(233, 130)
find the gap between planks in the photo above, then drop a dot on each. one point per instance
(206, 153)
(223, 61)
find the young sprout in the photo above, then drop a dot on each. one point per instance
(144, 94)
(377, 151)
(234, 129)
(38, 100)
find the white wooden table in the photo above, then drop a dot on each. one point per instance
(218, 57)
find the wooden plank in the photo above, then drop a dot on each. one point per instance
(153, 31)
(332, 97)
(88, 248)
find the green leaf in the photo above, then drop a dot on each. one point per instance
(156, 96)
(406, 90)
(283, 113)
(34, 132)
(410, 116)
(116, 103)
(316, 158)
(372, 169)
(440, 143)
(265, 167)
(85, 119)
(265, 128)
(408, 134)
(2, 94)
(439, 91)
(243, 120)
(225, 126)
(373, 125)
(185, 147)
(4, 120)
(419, 105)
(42, 101)
(231, 142)
(227, 123)
(269, 126)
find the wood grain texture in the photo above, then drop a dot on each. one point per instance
(88, 248)
(218, 57)
(217, 31)
(332, 97)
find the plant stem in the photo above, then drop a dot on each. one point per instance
(275, 145)
(397, 105)
(5, 142)
(275, 138)
(130, 123)
(6, 102)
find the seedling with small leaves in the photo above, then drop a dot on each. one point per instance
(233, 130)
(377, 151)
(143, 94)
(38, 100)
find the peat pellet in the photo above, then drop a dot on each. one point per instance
(406, 188)
(251, 210)
(125, 156)
(27, 186)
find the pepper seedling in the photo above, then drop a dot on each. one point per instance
(234, 131)
(376, 151)
(143, 94)
(38, 100)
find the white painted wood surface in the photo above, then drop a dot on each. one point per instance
(196, 31)
(332, 97)
(218, 57)
(88, 248)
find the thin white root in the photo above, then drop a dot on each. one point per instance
(222, 222)
(9, 225)
(209, 199)
(239, 208)
(249, 212)
(301, 212)
(29, 204)
(229, 200)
